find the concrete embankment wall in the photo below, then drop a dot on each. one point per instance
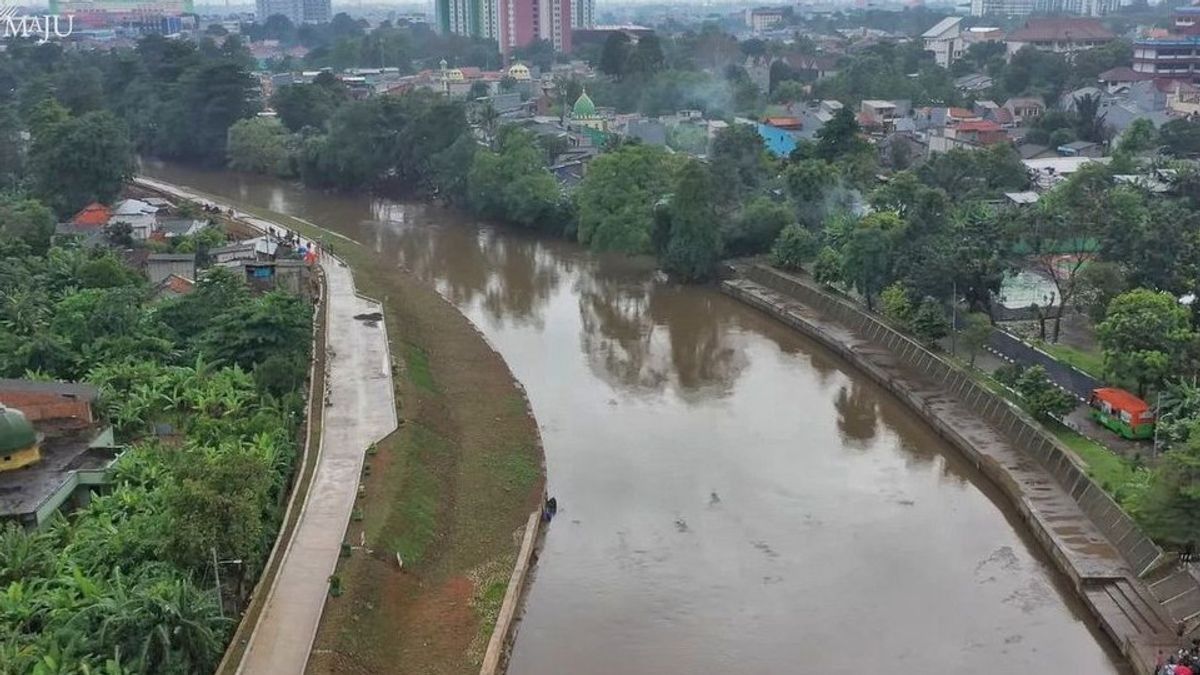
(1136, 548)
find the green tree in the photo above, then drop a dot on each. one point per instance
(929, 321)
(694, 244)
(795, 246)
(514, 184)
(1090, 124)
(212, 96)
(309, 105)
(975, 333)
(867, 256)
(739, 164)
(617, 196)
(897, 306)
(1140, 136)
(1180, 137)
(757, 227)
(1145, 337)
(1098, 284)
(614, 60)
(26, 221)
(258, 145)
(1043, 399)
(216, 501)
(1170, 508)
(839, 136)
(76, 161)
(828, 267)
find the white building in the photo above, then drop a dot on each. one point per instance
(141, 217)
(762, 18)
(297, 11)
(583, 14)
(945, 41)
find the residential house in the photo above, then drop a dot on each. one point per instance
(973, 83)
(286, 275)
(1068, 100)
(882, 114)
(173, 286)
(977, 34)
(1022, 198)
(170, 228)
(94, 216)
(159, 266)
(53, 450)
(234, 254)
(944, 39)
(1035, 151)
(142, 218)
(1050, 171)
(813, 68)
(968, 134)
(780, 141)
(1062, 35)
(263, 248)
(1081, 149)
(1118, 79)
(1024, 109)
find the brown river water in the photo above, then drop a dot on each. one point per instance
(733, 498)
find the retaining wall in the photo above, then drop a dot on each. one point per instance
(495, 658)
(1138, 550)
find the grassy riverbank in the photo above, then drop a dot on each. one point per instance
(449, 491)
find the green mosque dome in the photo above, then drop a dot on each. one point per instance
(16, 432)
(583, 106)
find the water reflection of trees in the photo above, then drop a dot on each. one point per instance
(857, 413)
(509, 275)
(640, 334)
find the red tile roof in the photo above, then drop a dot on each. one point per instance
(178, 284)
(1121, 399)
(784, 122)
(982, 126)
(960, 113)
(1060, 28)
(1123, 74)
(93, 215)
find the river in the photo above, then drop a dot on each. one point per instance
(733, 498)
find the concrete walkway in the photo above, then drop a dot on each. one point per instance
(360, 409)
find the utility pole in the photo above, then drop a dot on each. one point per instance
(217, 577)
(954, 318)
(217, 581)
(1157, 421)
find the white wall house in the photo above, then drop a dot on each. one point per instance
(945, 41)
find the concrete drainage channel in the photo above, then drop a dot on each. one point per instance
(1107, 558)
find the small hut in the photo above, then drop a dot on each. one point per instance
(1125, 414)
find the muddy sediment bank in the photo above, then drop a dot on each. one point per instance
(1088, 538)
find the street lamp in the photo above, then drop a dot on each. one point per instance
(217, 578)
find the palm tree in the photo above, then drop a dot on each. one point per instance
(488, 117)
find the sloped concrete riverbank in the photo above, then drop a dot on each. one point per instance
(1089, 539)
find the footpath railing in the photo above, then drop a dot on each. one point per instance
(1137, 549)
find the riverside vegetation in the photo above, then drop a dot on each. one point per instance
(71, 123)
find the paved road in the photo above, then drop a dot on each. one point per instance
(360, 411)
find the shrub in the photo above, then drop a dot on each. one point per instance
(794, 247)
